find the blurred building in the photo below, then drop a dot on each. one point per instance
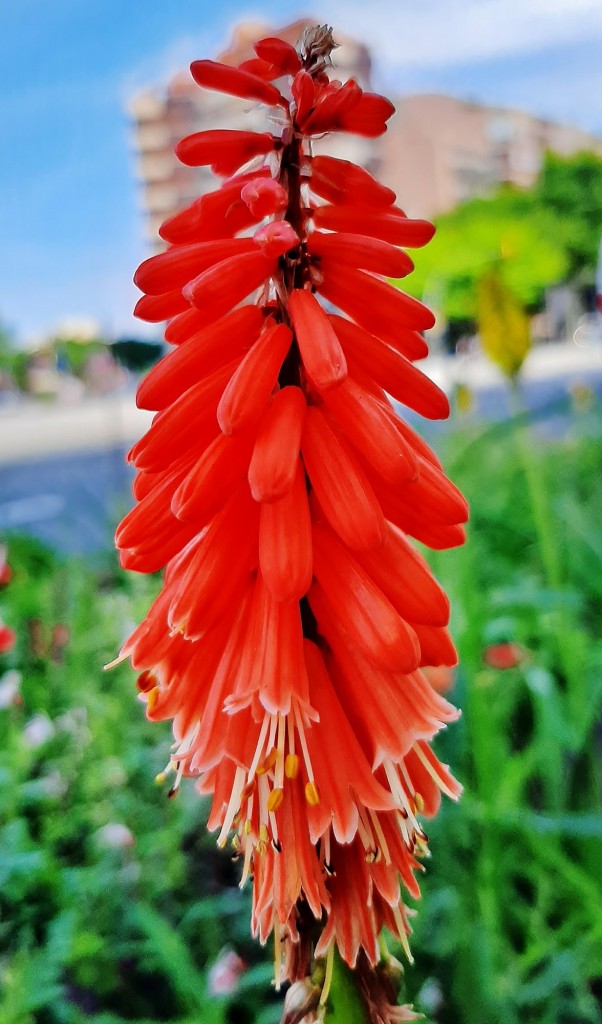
(440, 151)
(163, 115)
(437, 151)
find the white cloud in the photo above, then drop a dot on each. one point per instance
(409, 33)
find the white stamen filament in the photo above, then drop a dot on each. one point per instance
(381, 837)
(303, 742)
(259, 747)
(403, 935)
(433, 774)
(233, 805)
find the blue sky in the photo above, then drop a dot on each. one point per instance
(71, 230)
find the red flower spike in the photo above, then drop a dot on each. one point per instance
(391, 225)
(285, 553)
(303, 92)
(361, 252)
(223, 285)
(319, 346)
(212, 479)
(260, 68)
(328, 113)
(391, 370)
(233, 81)
(274, 461)
(264, 196)
(279, 53)
(373, 302)
(156, 308)
(368, 117)
(191, 419)
(224, 150)
(174, 268)
(199, 356)
(368, 428)
(184, 325)
(343, 491)
(276, 238)
(278, 488)
(362, 609)
(219, 214)
(248, 392)
(340, 181)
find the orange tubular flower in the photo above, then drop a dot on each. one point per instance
(277, 487)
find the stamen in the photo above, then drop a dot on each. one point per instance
(406, 777)
(311, 794)
(264, 794)
(277, 956)
(174, 789)
(433, 774)
(401, 796)
(328, 975)
(403, 935)
(291, 766)
(268, 762)
(233, 805)
(275, 799)
(259, 747)
(160, 777)
(290, 729)
(274, 827)
(116, 661)
(381, 837)
(279, 777)
(303, 742)
(326, 847)
(247, 861)
(365, 832)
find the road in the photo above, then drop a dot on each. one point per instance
(63, 475)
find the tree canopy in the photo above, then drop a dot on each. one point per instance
(539, 237)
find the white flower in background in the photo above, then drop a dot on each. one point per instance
(38, 731)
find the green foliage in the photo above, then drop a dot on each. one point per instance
(509, 928)
(97, 923)
(544, 236)
(570, 188)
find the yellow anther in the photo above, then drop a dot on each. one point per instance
(311, 794)
(160, 778)
(291, 766)
(153, 697)
(268, 762)
(263, 834)
(261, 847)
(236, 842)
(418, 800)
(275, 799)
(248, 827)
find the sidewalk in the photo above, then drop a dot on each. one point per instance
(30, 429)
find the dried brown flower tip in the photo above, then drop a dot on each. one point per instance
(315, 46)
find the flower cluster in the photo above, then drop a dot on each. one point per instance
(8, 637)
(278, 488)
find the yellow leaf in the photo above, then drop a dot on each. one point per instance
(503, 324)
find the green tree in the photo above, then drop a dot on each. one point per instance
(570, 188)
(543, 236)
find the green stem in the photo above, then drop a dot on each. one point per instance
(344, 1004)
